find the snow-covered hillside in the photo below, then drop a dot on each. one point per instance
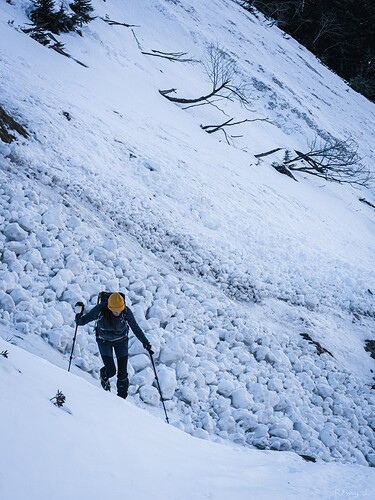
(96, 444)
(256, 291)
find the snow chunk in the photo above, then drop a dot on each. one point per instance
(13, 231)
(139, 362)
(25, 281)
(34, 257)
(168, 381)
(6, 301)
(149, 395)
(144, 377)
(327, 436)
(54, 317)
(324, 390)
(201, 434)
(182, 370)
(371, 459)
(225, 387)
(57, 284)
(66, 311)
(174, 351)
(66, 275)
(102, 255)
(241, 399)
(52, 217)
(311, 301)
(279, 430)
(28, 222)
(73, 263)
(73, 294)
(18, 247)
(20, 295)
(50, 254)
(159, 311)
(188, 395)
(261, 431)
(110, 245)
(8, 281)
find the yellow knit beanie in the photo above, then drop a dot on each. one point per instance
(116, 302)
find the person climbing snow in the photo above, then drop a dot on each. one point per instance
(113, 321)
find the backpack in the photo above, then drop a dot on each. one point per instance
(103, 299)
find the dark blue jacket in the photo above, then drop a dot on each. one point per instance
(116, 329)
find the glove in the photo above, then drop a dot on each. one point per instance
(78, 317)
(148, 347)
(78, 309)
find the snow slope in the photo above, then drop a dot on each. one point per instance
(97, 445)
(225, 262)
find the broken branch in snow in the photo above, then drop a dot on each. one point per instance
(116, 23)
(334, 160)
(210, 129)
(180, 100)
(224, 76)
(261, 155)
(363, 200)
(171, 56)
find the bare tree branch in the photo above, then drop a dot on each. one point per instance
(363, 200)
(136, 39)
(116, 23)
(210, 129)
(223, 74)
(267, 153)
(180, 100)
(334, 160)
(211, 102)
(171, 56)
(328, 26)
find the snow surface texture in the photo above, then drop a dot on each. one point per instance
(72, 452)
(224, 261)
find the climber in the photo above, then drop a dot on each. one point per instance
(113, 319)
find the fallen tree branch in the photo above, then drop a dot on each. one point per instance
(180, 100)
(171, 56)
(210, 129)
(225, 78)
(363, 200)
(136, 39)
(267, 153)
(333, 160)
(116, 23)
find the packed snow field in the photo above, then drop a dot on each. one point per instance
(238, 275)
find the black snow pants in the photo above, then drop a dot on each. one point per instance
(120, 347)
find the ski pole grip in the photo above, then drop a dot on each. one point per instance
(78, 308)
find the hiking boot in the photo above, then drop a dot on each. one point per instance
(122, 388)
(104, 380)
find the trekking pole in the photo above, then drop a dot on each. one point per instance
(81, 306)
(158, 384)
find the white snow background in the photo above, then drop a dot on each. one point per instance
(227, 264)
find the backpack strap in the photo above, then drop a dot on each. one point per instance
(103, 299)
